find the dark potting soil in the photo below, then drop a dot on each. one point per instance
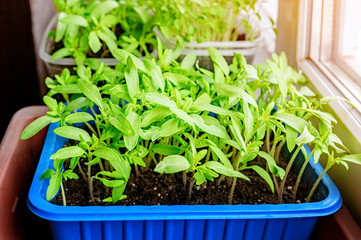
(151, 188)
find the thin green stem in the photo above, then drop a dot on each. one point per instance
(316, 183)
(299, 177)
(268, 141)
(63, 193)
(90, 184)
(184, 178)
(191, 184)
(136, 170)
(278, 151)
(208, 155)
(289, 165)
(82, 172)
(96, 119)
(230, 197)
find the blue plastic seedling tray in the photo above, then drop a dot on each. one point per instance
(209, 222)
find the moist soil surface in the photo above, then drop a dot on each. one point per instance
(151, 188)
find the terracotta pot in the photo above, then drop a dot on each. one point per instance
(339, 225)
(18, 160)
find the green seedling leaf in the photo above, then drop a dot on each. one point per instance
(131, 78)
(210, 129)
(50, 102)
(232, 143)
(204, 99)
(117, 193)
(276, 170)
(60, 27)
(182, 115)
(35, 127)
(293, 121)
(169, 128)
(249, 72)
(77, 103)
(115, 159)
(70, 174)
(61, 53)
(119, 91)
(158, 99)
(305, 137)
(263, 174)
(326, 100)
(122, 56)
(58, 164)
(354, 158)
(236, 131)
(199, 177)
(282, 83)
(79, 117)
(172, 164)
(222, 157)
(222, 169)
(132, 140)
(215, 109)
(113, 174)
(178, 79)
(200, 155)
(156, 114)
(139, 161)
(291, 136)
(228, 90)
(155, 73)
(173, 54)
(218, 59)
(107, 153)
(68, 89)
(73, 162)
(121, 123)
(72, 133)
(94, 42)
(335, 139)
(110, 199)
(104, 8)
(143, 13)
(54, 186)
(47, 174)
(76, 20)
(163, 149)
(189, 61)
(111, 183)
(248, 99)
(248, 121)
(90, 91)
(248, 156)
(68, 152)
(306, 91)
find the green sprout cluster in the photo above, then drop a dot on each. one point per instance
(177, 118)
(99, 28)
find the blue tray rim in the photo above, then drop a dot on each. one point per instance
(38, 204)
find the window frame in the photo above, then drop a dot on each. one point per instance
(318, 56)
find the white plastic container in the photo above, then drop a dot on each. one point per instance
(227, 48)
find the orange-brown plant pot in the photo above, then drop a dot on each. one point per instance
(18, 160)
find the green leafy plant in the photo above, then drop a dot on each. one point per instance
(183, 120)
(204, 20)
(99, 28)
